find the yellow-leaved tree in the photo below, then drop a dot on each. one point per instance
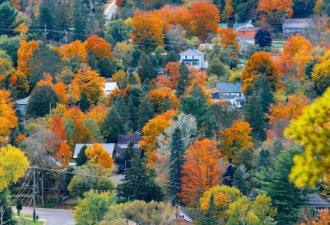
(13, 164)
(8, 119)
(97, 154)
(312, 131)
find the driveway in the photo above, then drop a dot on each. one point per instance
(52, 216)
(110, 11)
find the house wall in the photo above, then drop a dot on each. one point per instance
(200, 64)
(247, 33)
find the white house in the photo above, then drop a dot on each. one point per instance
(21, 106)
(317, 202)
(183, 214)
(110, 87)
(109, 147)
(194, 57)
(230, 92)
(294, 26)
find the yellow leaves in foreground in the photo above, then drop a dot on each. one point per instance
(97, 154)
(312, 131)
(13, 165)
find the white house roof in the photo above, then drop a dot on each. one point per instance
(297, 23)
(23, 101)
(192, 51)
(107, 146)
(110, 86)
(239, 26)
(228, 87)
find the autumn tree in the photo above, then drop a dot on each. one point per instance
(311, 130)
(235, 138)
(147, 30)
(159, 96)
(24, 54)
(260, 64)
(209, 22)
(281, 114)
(90, 83)
(228, 39)
(7, 116)
(228, 11)
(97, 154)
(202, 170)
(13, 164)
(99, 47)
(321, 74)
(64, 154)
(274, 12)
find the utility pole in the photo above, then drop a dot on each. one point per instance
(42, 189)
(34, 193)
(1, 215)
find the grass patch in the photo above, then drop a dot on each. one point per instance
(24, 221)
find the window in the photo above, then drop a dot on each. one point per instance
(186, 57)
(243, 32)
(195, 63)
(193, 57)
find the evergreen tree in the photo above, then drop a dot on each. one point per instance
(171, 56)
(216, 67)
(81, 157)
(145, 68)
(176, 161)
(147, 85)
(124, 112)
(44, 60)
(139, 183)
(5, 203)
(9, 21)
(132, 80)
(264, 159)
(275, 183)
(105, 67)
(92, 60)
(262, 88)
(183, 81)
(79, 16)
(84, 103)
(117, 31)
(133, 112)
(240, 179)
(10, 45)
(113, 125)
(166, 104)
(210, 215)
(47, 18)
(63, 16)
(145, 112)
(42, 99)
(253, 113)
(263, 38)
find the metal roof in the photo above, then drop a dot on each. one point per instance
(192, 51)
(23, 101)
(107, 146)
(228, 87)
(316, 200)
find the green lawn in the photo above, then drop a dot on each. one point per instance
(278, 44)
(24, 221)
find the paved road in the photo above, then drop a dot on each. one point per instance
(110, 11)
(52, 216)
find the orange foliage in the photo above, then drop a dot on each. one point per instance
(204, 19)
(98, 113)
(235, 138)
(56, 125)
(280, 114)
(64, 153)
(202, 170)
(274, 11)
(90, 83)
(197, 76)
(148, 29)
(24, 53)
(8, 119)
(323, 218)
(228, 10)
(295, 56)
(173, 16)
(170, 79)
(75, 50)
(60, 90)
(99, 47)
(260, 63)
(47, 79)
(20, 138)
(151, 130)
(97, 154)
(228, 39)
(158, 96)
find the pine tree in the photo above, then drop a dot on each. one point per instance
(47, 18)
(5, 203)
(139, 183)
(84, 103)
(171, 56)
(240, 179)
(113, 125)
(264, 159)
(166, 104)
(145, 68)
(183, 81)
(42, 99)
(263, 38)
(210, 215)
(81, 157)
(79, 20)
(105, 67)
(9, 21)
(123, 110)
(253, 113)
(133, 112)
(145, 112)
(176, 161)
(262, 88)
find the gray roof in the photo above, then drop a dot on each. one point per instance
(23, 101)
(228, 87)
(192, 51)
(316, 200)
(126, 139)
(107, 146)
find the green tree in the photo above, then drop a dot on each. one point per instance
(275, 183)
(41, 101)
(105, 67)
(139, 183)
(117, 31)
(171, 56)
(79, 17)
(264, 159)
(84, 104)
(183, 81)
(216, 67)
(210, 215)
(145, 68)
(93, 207)
(263, 38)
(81, 157)
(253, 113)
(240, 179)
(145, 112)
(44, 60)
(10, 45)
(177, 159)
(5, 203)
(9, 19)
(262, 88)
(47, 18)
(113, 125)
